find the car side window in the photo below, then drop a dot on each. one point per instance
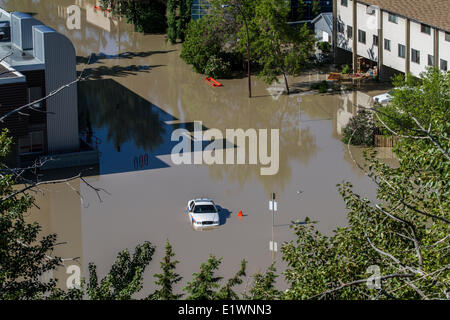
(192, 206)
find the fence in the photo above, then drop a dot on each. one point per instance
(385, 141)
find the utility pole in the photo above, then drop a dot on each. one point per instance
(273, 207)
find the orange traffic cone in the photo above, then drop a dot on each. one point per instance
(240, 214)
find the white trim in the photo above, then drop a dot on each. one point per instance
(19, 78)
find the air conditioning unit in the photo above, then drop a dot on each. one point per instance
(371, 10)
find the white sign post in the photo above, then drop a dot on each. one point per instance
(273, 246)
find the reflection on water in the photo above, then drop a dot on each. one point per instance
(139, 92)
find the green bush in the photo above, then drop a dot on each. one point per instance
(322, 87)
(346, 69)
(360, 129)
(200, 44)
(324, 46)
(217, 67)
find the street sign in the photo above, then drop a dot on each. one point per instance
(273, 246)
(273, 205)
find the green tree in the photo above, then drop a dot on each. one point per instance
(403, 235)
(263, 287)
(25, 257)
(185, 17)
(146, 15)
(227, 292)
(125, 277)
(172, 21)
(168, 278)
(360, 130)
(205, 283)
(315, 8)
(280, 49)
(202, 42)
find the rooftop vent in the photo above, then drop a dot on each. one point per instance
(21, 30)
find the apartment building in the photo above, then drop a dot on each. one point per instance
(35, 61)
(404, 36)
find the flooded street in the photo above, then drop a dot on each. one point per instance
(138, 92)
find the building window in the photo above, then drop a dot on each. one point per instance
(430, 60)
(362, 36)
(444, 66)
(425, 29)
(344, 3)
(34, 94)
(387, 44)
(393, 18)
(32, 143)
(375, 41)
(415, 56)
(401, 51)
(340, 27)
(447, 36)
(349, 32)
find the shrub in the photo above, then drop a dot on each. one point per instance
(324, 46)
(217, 67)
(201, 43)
(360, 129)
(322, 87)
(346, 69)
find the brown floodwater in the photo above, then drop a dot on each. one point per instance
(139, 91)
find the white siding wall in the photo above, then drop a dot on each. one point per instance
(345, 16)
(397, 34)
(444, 48)
(367, 23)
(424, 43)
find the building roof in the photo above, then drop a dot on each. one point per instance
(327, 16)
(431, 12)
(9, 75)
(6, 73)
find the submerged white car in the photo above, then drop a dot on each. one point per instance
(384, 98)
(203, 213)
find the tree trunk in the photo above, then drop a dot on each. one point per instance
(286, 84)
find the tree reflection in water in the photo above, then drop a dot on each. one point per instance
(112, 114)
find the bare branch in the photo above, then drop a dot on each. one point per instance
(356, 282)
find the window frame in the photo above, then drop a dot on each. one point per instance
(426, 29)
(415, 53)
(362, 33)
(403, 47)
(387, 41)
(441, 63)
(393, 18)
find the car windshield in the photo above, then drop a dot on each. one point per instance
(205, 208)
(391, 93)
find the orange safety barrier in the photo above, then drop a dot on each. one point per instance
(213, 82)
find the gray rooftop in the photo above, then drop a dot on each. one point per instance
(327, 16)
(19, 60)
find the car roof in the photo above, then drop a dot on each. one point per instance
(203, 201)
